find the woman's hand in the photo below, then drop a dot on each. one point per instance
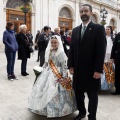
(71, 70)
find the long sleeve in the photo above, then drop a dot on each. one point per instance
(114, 49)
(100, 50)
(108, 49)
(71, 52)
(63, 64)
(5, 41)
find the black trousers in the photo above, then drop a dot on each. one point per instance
(92, 105)
(117, 77)
(23, 66)
(42, 58)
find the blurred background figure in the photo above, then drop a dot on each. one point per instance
(42, 43)
(69, 35)
(107, 83)
(23, 48)
(115, 56)
(30, 37)
(36, 44)
(57, 31)
(51, 32)
(65, 42)
(11, 47)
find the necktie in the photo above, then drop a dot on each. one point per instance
(83, 31)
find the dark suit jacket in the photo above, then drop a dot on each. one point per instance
(115, 53)
(43, 42)
(87, 56)
(23, 44)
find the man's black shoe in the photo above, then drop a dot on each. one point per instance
(23, 74)
(115, 93)
(37, 60)
(79, 117)
(26, 73)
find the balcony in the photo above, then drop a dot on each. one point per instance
(111, 3)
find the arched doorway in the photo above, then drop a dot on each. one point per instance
(113, 24)
(94, 18)
(14, 14)
(65, 19)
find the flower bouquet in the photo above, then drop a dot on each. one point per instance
(37, 70)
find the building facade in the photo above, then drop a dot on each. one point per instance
(56, 13)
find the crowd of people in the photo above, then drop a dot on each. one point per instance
(90, 52)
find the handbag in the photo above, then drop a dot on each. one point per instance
(30, 49)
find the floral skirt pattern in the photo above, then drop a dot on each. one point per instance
(62, 103)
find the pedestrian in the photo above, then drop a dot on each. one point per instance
(30, 37)
(86, 58)
(23, 48)
(42, 43)
(11, 47)
(36, 39)
(115, 56)
(36, 45)
(65, 42)
(69, 35)
(107, 79)
(49, 97)
(57, 31)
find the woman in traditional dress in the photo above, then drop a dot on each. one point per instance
(49, 97)
(107, 78)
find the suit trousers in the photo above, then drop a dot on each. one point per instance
(92, 105)
(42, 58)
(117, 77)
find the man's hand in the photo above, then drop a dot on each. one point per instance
(96, 75)
(71, 70)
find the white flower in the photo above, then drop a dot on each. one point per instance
(37, 68)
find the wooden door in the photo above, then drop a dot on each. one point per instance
(18, 18)
(17, 24)
(65, 23)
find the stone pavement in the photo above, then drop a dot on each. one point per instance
(14, 96)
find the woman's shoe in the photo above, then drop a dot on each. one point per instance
(23, 74)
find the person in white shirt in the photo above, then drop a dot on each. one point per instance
(106, 80)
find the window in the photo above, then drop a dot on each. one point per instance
(14, 4)
(64, 12)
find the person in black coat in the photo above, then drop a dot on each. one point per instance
(85, 62)
(42, 43)
(23, 48)
(115, 56)
(65, 41)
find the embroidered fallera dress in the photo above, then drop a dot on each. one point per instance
(107, 84)
(48, 97)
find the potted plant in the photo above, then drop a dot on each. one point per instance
(25, 8)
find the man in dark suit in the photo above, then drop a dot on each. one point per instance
(86, 58)
(42, 43)
(115, 56)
